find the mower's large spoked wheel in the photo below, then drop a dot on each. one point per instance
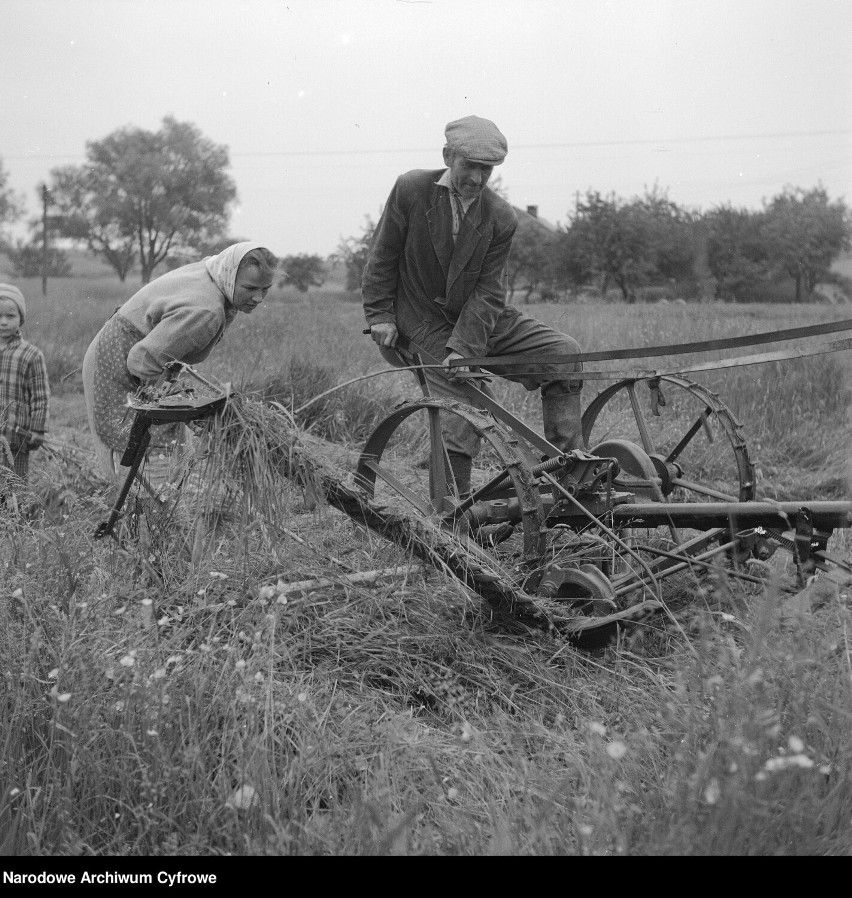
(694, 443)
(405, 465)
(675, 441)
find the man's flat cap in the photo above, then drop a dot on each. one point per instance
(477, 139)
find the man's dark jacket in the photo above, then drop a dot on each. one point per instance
(417, 278)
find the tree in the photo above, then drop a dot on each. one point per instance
(303, 271)
(353, 253)
(616, 240)
(737, 258)
(632, 243)
(93, 218)
(532, 257)
(572, 266)
(148, 193)
(804, 235)
(11, 204)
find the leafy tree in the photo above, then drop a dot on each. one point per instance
(737, 257)
(353, 253)
(572, 266)
(615, 239)
(144, 192)
(93, 218)
(11, 204)
(630, 243)
(303, 271)
(671, 233)
(532, 257)
(804, 233)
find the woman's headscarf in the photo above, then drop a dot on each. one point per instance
(223, 267)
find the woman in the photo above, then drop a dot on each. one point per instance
(180, 316)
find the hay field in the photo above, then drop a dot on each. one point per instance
(203, 710)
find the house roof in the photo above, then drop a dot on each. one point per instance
(525, 219)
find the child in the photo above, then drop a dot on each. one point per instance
(24, 387)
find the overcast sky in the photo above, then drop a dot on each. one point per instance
(322, 103)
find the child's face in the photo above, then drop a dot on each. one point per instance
(10, 318)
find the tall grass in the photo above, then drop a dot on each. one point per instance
(170, 698)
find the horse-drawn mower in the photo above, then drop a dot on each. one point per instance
(581, 540)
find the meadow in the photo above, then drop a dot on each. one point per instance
(204, 710)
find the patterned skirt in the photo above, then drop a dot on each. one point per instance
(108, 382)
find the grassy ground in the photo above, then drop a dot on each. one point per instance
(211, 712)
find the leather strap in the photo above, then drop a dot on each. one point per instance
(651, 373)
(516, 360)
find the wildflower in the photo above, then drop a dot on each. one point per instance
(598, 728)
(243, 799)
(53, 674)
(218, 575)
(59, 696)
(266, 593)
(452, 793)
(18, 593)
(795, 744)
(127, 661)
(616, 750)
(302, 696)
(147, 602)
(784, 762)
(240, 665)
(713, 791)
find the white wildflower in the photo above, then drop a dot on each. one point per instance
(795, 744)
(616, 749)
(713, 791)
(244, 798)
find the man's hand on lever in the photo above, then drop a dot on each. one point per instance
(459, 372)
(385, 334)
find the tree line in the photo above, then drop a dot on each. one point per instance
(650, 242)
(150, 198)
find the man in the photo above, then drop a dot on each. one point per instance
(436, 274)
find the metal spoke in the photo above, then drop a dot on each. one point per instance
(703, 490)
(641, 424)
(395, 483)
(701, 421)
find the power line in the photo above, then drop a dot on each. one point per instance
(779, 135)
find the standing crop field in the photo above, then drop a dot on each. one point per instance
(174, 697)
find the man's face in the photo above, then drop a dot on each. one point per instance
(469, 178)
(10, 318)
(250, 288)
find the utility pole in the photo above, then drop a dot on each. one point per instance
(45, 202)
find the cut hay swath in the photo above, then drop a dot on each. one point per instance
(249, 449)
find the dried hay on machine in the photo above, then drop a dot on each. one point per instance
(246, 457)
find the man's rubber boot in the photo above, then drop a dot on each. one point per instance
(562, 414)
(461, 466)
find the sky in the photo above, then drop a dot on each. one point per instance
(322, 103)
